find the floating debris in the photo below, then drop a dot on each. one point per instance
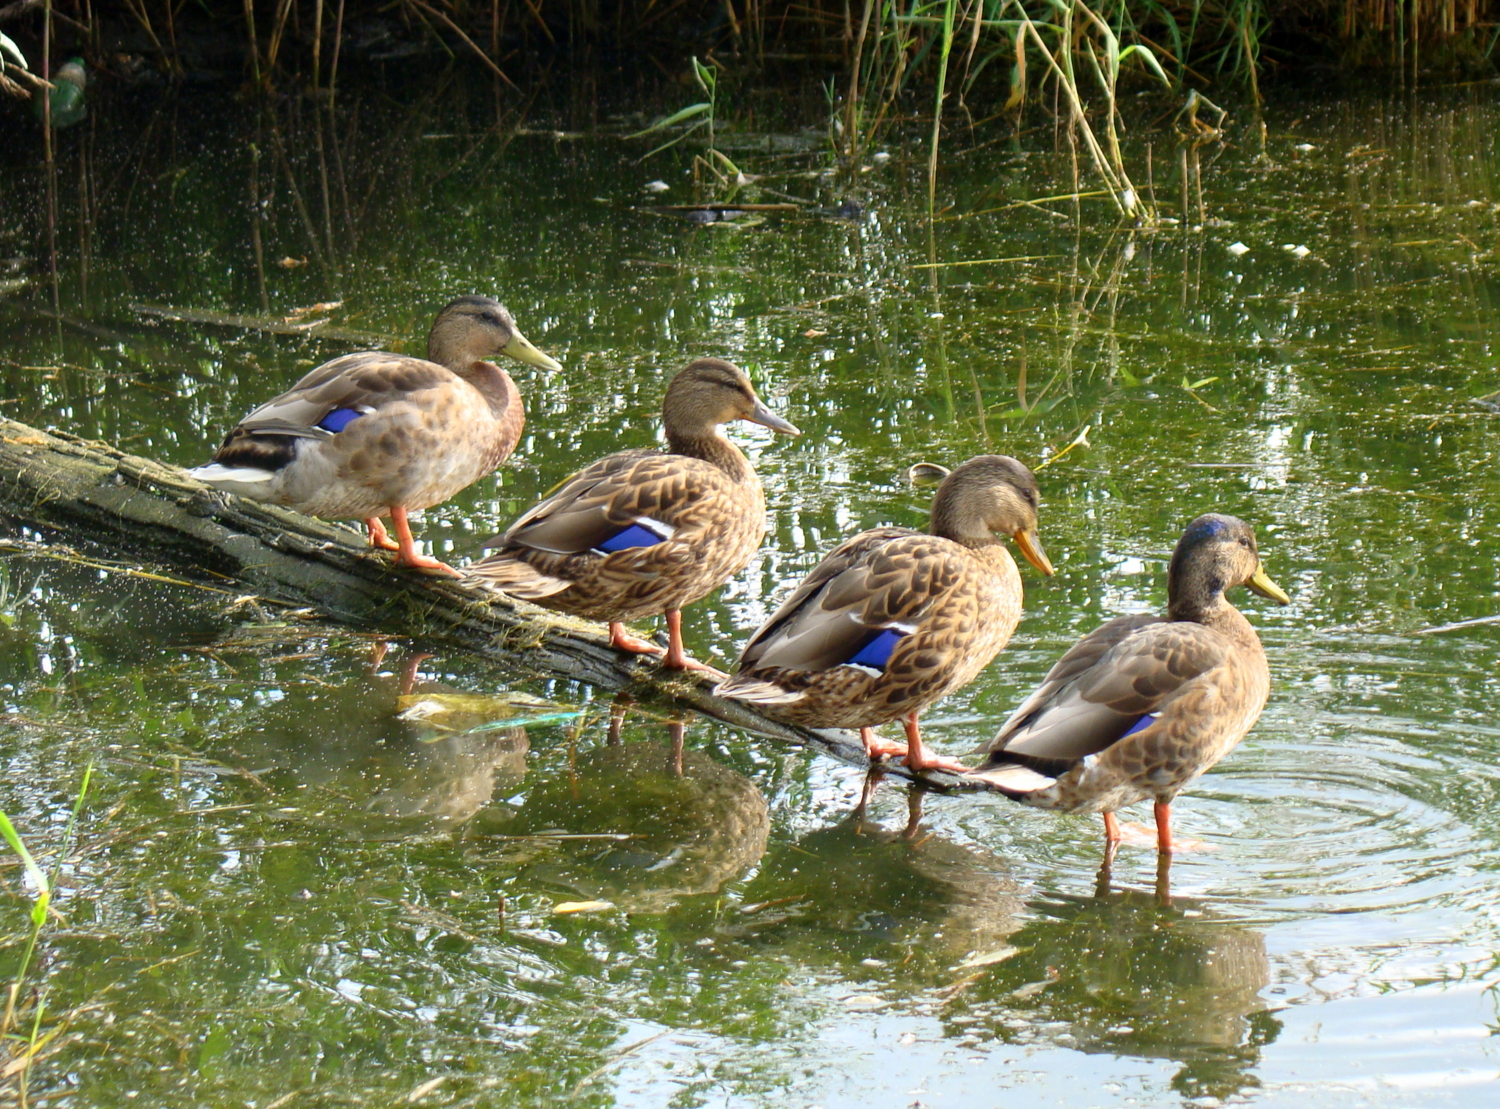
(66, 97)
(926, 473)
(987, 958)
(1296, 249)
(466, 713)
(654, 187)
(1238, 248)
(582, 906)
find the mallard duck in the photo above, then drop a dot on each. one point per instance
(1144, 704)
(375, 434)
(644, 532)
(894, 619)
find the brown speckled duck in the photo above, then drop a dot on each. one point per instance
(375, 434)
(644, 532)
(894, 619)
(1145, 704)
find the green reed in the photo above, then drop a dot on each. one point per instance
(41, 909)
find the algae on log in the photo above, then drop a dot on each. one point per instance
(92, 493)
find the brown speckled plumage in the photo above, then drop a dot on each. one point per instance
(701, 496)
(1086, 739)
(413, 431)
(948, 599)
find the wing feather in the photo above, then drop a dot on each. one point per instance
(880, 578)
(364, 382)
(1099, 690)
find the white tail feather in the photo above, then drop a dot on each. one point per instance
(217, 474)
(757, 692)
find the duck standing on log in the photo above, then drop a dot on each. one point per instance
(644, 532)
(1143, 705)
(377, 434)
(894, 619)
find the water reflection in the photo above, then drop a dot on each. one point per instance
(352, 739)
(638, 823)
(856, 888)
(950, 930)
(1136, 972)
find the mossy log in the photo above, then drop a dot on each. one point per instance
(93, 494)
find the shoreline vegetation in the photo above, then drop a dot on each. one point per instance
(881, 63)
(873, 50)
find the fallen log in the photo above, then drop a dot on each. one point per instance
(93, 494)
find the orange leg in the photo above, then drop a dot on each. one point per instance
(1111, 830)
(917, 757)
(378, 537)
(406, 554)
(676, 729)
(1162, 810)
(877, 748)
(677, 658)
(622, 640)
(409, 672)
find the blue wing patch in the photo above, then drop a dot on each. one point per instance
(339, 419)
(633, 536)
(1141, 725)
(876, 652)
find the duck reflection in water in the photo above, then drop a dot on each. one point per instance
(908, 915)
(896, 895)
(642, 825)
(352, 741)
(1137, 972)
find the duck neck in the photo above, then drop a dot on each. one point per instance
(965, 527)
(448, 345)
(711, 445)
(494, 385)
(1213, 610)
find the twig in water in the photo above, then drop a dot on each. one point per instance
(615, 1060)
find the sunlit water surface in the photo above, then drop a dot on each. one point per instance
(277, 892)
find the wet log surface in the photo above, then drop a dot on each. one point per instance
(92, 494)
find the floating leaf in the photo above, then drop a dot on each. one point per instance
(1031, 989)
(987, 958)
(1198, 384)
(582, 906)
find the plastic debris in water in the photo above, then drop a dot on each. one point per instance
(1238, 248)
(466, 713)
(655, 187)
(66, 97)
(1296, 249)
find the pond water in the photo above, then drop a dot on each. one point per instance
(278, 892)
